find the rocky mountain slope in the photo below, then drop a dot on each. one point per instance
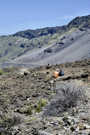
(48, 45)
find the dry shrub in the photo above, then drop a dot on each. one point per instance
(68, 95)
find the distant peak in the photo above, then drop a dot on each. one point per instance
(80, 21)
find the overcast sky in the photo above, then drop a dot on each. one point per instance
(16, 15)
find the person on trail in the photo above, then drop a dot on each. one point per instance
(58, 73)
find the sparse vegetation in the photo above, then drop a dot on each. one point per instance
(9, 120)
(1, 72)
(67, 97)
(25, 99)
(42, 103)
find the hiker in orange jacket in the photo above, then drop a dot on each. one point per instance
(58, 73)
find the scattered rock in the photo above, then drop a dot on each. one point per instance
(43, 133)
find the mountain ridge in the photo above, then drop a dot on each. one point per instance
(41, 44)
(76, 22)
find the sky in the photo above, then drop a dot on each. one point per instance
(18, 15)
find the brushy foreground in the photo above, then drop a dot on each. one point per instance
(68, 95)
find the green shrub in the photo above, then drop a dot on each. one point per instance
(1, 72)
(40, 105)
